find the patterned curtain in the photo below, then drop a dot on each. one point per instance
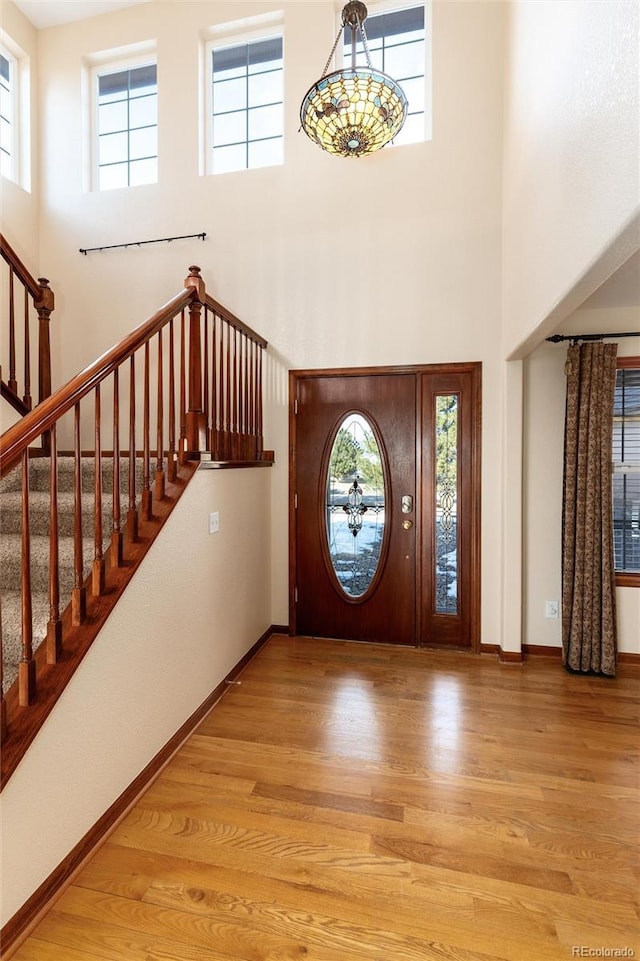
(588, 581)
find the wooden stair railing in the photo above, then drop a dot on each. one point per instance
(19, 335)
(195, 373)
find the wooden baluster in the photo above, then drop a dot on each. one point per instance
(115, 557)
(27, 353)
(214, 387)
(146, 454)
(54, 626)
(98, 571)
(172, 464)
(245, 421)
(132, 513)
(182, 449)
(205, 385)
(27, 665)
(259, 437)
(12, 383)
(240, 438)
(3, 703)
(227, 436)
(78, 594)
(252, 401)
(196, 424)
(159, 485)
(44, 306)
(234, 439)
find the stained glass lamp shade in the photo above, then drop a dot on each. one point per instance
(356, 110)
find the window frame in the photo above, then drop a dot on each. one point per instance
(222, 40)
(379, 9)
(147, 57)
(14, 95)
(20, 157)
(626, 578)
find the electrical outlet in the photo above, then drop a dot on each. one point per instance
(551, 609)
(214, 522)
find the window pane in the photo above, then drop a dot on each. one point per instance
(142, 80)
(414, 92)
(265, 153)
(143, 143)
(229, 95)
(6, 104)
(626, 521)
(6, 167)
(446, 504)
(355, 505)
(412, 131)
(229, 62)
(5, 68)
(5, 135)
(265, 88)
(265, 122)
(113, 148)
(113, 86)
(405, 61)
(229, 128)
(265, 54)
(143, 172)
(114, 176)
(112, 117)
(229, 158)
(143, 112)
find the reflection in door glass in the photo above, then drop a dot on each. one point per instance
(355, 505)
(447, 504)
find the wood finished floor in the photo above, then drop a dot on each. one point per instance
(349, 802)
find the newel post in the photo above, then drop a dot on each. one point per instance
(44, 305)
(196, 427)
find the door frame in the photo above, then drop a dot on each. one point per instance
(474, 369)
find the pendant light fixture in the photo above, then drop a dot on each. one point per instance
(356, 110)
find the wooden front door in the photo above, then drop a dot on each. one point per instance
(384, 515)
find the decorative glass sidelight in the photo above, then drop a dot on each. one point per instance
(355, 508)
(446, 496)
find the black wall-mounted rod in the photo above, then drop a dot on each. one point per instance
(557, 338)
(139, 243)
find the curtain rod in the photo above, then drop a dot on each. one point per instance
(557, 338)
(139, 243)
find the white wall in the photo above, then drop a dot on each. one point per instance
(545, 390)
(180, 627)
(388, 260)
(572, 159)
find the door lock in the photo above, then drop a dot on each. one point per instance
(407, 525)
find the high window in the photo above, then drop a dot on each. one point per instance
(246, 106)
(397, 45)
(626, 472)
(7, 114)
(127, 119)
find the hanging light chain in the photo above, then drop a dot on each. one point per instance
(333, 50)
(365, 44)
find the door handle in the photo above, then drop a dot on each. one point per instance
(407, 503)
(407, 525)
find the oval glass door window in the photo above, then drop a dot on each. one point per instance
(355, 505)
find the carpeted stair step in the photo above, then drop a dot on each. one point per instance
(11, 546)
(11, 513)
(12, 629)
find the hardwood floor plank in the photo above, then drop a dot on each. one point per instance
(353, 802)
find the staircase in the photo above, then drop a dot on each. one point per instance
(39, 521)
(183, 387)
